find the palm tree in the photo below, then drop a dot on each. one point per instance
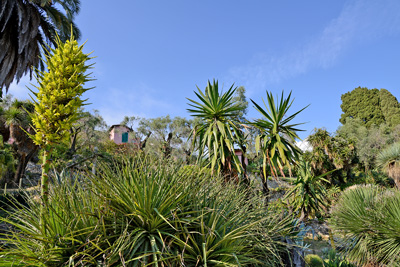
(389, 161)
(368, 220)
(26, 27)
(321, 143)
(277, 136)
(18, 120)
(218, 130)
(330, 153)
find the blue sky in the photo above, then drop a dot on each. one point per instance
(150, 55)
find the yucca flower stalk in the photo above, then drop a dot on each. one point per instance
(58, 101)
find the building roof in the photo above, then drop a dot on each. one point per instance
(119, 125)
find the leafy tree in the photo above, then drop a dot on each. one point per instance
(217, 132)
(390, 107)
(92, 127)
(85, 138)
(162, 131)
(370, 141)
(130, 121)
(371, 106)
(362, 103)
(26, 27)
(241, 101)
(58, 100)
(276, 140)
(7, 161)
(389, 161)
(320, 141)
(181, 141)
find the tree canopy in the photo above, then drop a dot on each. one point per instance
(371, 106)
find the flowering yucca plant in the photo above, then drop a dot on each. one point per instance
(59, 99)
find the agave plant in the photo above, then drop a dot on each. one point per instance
(369, 218)
(217, 133)
(389, 161)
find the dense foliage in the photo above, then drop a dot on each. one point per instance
(142, 211)
(308, 195)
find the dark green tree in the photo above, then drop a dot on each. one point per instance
(26, 27)
(390, 107)
(362, 103)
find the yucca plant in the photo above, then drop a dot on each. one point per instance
(308, 194)
(166, 215)
(145, 212)
(218, 131)
(369, 218)
(71, 233)
(277, 138)
(389, 161)
(145, 197)
(227, 228)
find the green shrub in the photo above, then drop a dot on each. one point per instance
(313, 260)
(336, 260)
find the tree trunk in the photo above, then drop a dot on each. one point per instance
(167, 147)
(142, 144)
(187, 156)
(72, 148)
(23, 161)
(244, 166)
